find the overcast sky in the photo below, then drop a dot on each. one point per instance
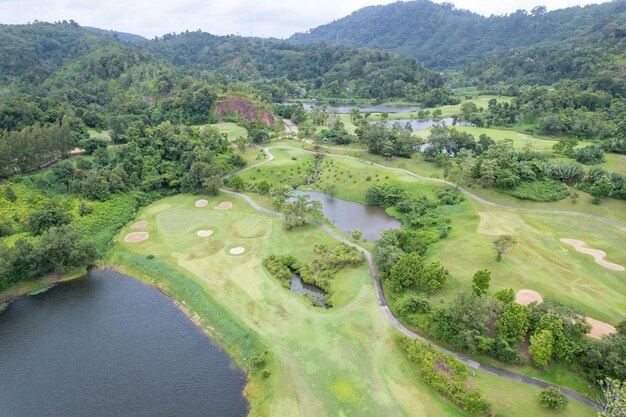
(277, 18)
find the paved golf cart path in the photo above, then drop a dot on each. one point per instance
(382, 301)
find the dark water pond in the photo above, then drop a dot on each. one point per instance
(348, 216)
(314, 293)
(107, 345)
(346, 108)
(418, 125)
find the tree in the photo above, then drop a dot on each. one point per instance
(357, 234)
(552, 397)
(49, 215)
(542, 347)
(480, 281)
(263, 187)
(237, 183)
(298, 210)
(403, 273)
(502, 244)
(505, 296)
(411, 269)
(513, 323)
(10, 194)
(613, 401)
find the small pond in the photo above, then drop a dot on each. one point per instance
(315, 294)
(108, 345)
(348, 216)
(418, 125)
(346, 108)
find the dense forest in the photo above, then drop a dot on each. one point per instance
(301, 71)
(443, 37)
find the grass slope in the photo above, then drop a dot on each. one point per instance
(338, 362)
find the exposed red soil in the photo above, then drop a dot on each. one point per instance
(245, 109)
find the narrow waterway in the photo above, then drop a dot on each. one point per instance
(108, 345)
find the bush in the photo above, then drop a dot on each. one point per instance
(542, 191)
(552, 397)
(413, 304)
(280, 267)
(448, 376)
(449, 196)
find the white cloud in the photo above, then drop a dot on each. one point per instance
(278, 18)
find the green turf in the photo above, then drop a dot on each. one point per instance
(343, 361)
(232, 130)
(97, 134)
(317, 356)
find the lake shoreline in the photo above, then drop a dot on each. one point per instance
(38, 285)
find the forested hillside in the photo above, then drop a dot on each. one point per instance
(318, 69)
(443, 37)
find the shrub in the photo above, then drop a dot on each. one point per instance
(447, 375)
(280, 267)
(542, 191)
(552, 397)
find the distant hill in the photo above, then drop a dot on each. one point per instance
(443, 37)
(123, 36)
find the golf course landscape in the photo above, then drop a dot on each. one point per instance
(250, 313)
(365, 219)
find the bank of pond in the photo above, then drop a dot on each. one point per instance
(348, 216)
(106, 344)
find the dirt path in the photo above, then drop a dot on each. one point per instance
(290, 127)
(382, 300)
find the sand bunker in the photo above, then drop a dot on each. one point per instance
(599, 329)
(597, 254)
(136, 237)
(225, 205)
(237, 251)
(525, 297)
(201, 203)
(140, 224)
(204, 233)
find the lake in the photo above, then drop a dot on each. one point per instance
(418, 125)
(346, 108)
(348, 216)
(108, 345)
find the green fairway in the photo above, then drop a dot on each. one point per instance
(232, 130)
(342, 361)
(539, 261)
(100, 134)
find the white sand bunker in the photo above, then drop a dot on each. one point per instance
(237, 251)
(597, 254)
(201, 203)
(204, 233)
(599, 329)
(136, 237)
(140, 224)
(225, 205)
(525, 297)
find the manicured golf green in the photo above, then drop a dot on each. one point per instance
(232, 130)
(338, 362)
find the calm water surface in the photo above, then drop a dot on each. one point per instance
(315, 294)
(108, 345)
(348, 216)
(418, 125)
(346, 108)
